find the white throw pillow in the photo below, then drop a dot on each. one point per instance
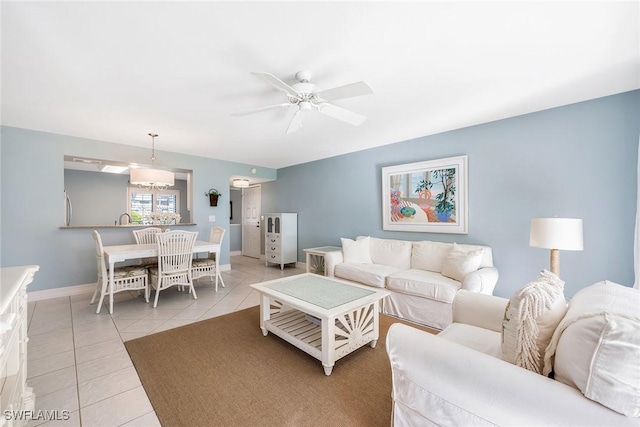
(530, 319)
(596, 347)
(357, 251)
(459, 262)
(429, 256)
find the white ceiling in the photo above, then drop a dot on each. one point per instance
(115, 71)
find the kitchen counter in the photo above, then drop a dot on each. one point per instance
(79, 227)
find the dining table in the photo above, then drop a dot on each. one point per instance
(121, 253)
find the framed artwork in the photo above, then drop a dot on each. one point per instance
(429, 197)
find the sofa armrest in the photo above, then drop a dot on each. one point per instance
(483, 311)
(439, 382)
(331, 259)
(482, 280)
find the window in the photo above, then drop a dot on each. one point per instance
(142, 203)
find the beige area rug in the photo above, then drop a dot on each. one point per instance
(224, 372)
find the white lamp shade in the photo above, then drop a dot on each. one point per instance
(151, 177)
(556, 233)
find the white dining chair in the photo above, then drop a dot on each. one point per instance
(206, 267)
(175, 252)
(147, 236)
(129, 278)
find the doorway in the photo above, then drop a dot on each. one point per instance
(251, 202)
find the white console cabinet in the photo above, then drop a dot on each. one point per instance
(15, 397)
(281, 238)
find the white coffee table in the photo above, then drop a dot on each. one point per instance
(325, 317)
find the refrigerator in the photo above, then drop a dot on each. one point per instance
(68, 209)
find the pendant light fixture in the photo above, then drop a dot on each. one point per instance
(152, 179)
(241, 183)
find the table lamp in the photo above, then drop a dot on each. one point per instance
(556, 234)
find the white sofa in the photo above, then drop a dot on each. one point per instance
(412, 272)
(458, 378)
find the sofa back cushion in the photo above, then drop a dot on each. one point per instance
(394, 253)
(428, 255)
(530, 319)
(596, 347)
(358, 251)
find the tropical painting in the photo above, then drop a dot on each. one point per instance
(429, 196)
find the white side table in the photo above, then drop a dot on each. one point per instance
(315, 258)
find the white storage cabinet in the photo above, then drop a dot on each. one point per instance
(281, 238)
(15, 397)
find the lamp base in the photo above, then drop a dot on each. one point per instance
(555, 262)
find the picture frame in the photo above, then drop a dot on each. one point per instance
(427, 197)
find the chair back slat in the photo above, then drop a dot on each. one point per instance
(175, 251)
(146, 235)
(217, 234)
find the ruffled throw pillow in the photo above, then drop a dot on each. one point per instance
(530, 319)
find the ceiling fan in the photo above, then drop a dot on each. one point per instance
(306, 96)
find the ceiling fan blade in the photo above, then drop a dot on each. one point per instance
(346, 91)
(296, 122)
(259, 110)
(277, 83)
(341, 114)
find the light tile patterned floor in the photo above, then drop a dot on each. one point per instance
(77, 361)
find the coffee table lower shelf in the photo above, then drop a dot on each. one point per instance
(305, 332)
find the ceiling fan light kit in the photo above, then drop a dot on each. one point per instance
(307, 96)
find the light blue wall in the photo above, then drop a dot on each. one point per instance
(32, 183)
(574, 161)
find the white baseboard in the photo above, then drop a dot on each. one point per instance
(235, 253)
(67, 291)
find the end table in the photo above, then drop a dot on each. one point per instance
(315, 258)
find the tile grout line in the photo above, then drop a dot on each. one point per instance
(75, 361)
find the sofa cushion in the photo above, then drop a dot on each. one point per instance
(530, 318)
(427, 284)
(358, 251)
(429, 256)
(459, 262)
(596, 347)
(394, 253)
(368, 274)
